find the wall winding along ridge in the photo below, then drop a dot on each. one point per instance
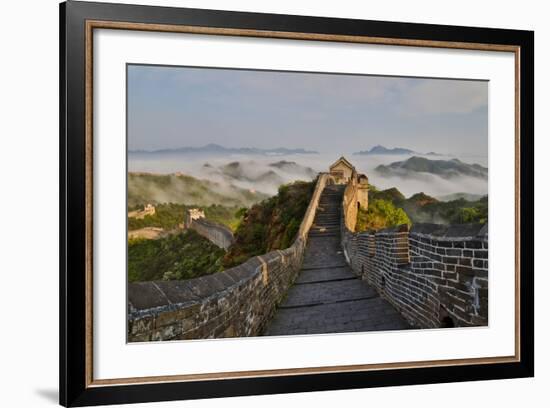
(218, 234)
(237, 302)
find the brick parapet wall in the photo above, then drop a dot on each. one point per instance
(442, 282)
(349, 204)
(237, 302)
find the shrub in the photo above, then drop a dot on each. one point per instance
(380, 214)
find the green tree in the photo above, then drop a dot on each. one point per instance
(177, 256)
(381, 214)
(271, 224)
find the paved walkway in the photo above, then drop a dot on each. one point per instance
(327, 297)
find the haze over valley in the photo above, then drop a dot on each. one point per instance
(263, 173)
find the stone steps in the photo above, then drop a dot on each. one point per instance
(324, 229)
(328, 215)
(324, 234)
(326, 222)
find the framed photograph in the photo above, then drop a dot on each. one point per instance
(256, 203)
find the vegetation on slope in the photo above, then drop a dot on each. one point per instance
(271, 224)
(179, 256)
(458, 211)
(169, 216)
(380, 214)
(421, 208)
(147, 188)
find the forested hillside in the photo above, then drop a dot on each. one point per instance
(271, 224)
(169, 216)
(390, 207)
(147, 188)
(179, 256)
(268, 225)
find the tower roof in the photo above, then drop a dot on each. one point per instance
(343, 160)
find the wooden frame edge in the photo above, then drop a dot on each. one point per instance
(231, 375)
(289, 35)
(104, 24)
(89, 205)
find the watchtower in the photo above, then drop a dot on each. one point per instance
(341, 171)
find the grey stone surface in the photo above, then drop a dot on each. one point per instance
(327, 297)
(451, 231)
(145, 295)
(324, 274)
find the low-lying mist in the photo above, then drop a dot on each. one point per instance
(264, 173)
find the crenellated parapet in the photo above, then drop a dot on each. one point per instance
(148, 209)
(434, 275)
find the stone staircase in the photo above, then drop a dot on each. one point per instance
(326, 296)
(327, 218)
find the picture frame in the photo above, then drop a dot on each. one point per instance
(79, 21)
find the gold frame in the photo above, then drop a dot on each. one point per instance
(99, 24)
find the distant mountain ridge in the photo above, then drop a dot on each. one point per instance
(381, 150)
(421, 207)
(458, 196)
(213, 148)
(444, 168)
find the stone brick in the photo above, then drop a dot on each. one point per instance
(141, 325)
(185, 317)
(474, 244)
(481, 254)
(478, 263)
(166, 333)
(450, 275)
(465, 262)
(448, 260)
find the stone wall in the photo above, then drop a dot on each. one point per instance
(148, 209)
(435, 275)
(356, 195)
(218, 234)
(349, 205)
(237, 302)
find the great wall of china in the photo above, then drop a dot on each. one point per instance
(330, 280)
(218, 234)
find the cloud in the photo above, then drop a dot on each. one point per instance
(178, 106)
(433, 97)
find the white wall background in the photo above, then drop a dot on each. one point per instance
(29, 205)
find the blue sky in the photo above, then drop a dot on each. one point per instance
(171, 107)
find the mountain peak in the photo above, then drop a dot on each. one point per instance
(379, 149)
(218, 149)
(443, 168)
